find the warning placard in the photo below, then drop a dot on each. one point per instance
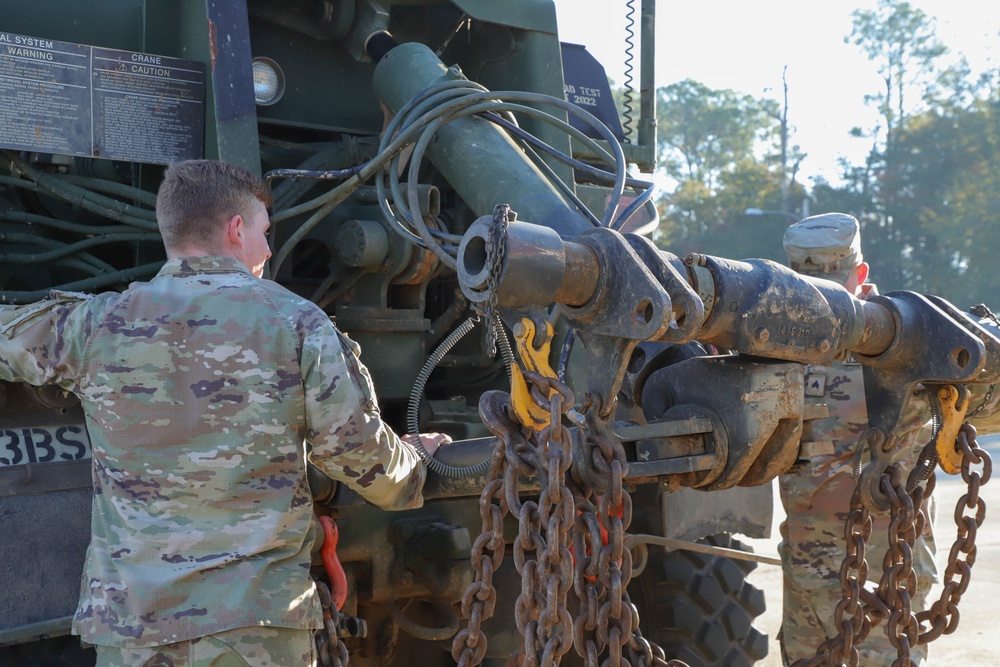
(74, 99)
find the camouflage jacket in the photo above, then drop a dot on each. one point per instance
(825, 483)
(202, 390)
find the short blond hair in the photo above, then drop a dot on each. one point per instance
(197, 196)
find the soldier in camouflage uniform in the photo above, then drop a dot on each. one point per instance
(205, 391)
(816, 494)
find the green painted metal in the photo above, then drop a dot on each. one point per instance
(527, 14)
(211, 32)
(217, 34)
(113, 24)
(476, 157)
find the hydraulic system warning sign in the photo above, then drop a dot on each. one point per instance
(73, 99)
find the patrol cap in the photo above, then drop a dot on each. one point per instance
(826, 246)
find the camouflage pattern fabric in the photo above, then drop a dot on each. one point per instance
(242, 647)
(816, 496)
(201, 390)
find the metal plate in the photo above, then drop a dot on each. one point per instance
(43, 444)
(73, 99)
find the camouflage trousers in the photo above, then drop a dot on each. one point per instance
(812, 550)
(240, 647)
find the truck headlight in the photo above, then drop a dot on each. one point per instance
(268, 81)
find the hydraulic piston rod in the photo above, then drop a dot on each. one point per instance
(756, 306)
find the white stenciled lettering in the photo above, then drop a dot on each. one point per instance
(143, 58)
(31, 41)
(28, 53)
(151, 71)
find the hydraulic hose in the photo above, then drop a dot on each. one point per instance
(413, 408)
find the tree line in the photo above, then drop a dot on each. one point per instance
(927, 194)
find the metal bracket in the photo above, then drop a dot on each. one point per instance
(687, 309)
(935, 350)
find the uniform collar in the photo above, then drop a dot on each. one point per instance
(202, 264)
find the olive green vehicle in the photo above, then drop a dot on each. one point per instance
(449, 180)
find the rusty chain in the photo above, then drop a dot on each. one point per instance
(496, 249)
(603, 564)
(942, 617)
(558, 513)
(541, 612)
(859, 611)
(330, 649)
(479, 600)
(567, 512)
(853, 624)
(899, 583)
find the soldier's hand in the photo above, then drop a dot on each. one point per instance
(430, 441)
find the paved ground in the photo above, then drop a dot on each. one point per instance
(975, 642)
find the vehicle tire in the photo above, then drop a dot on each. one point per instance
(700, 608)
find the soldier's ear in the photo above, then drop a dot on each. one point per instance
(862, 273)
(234, 231)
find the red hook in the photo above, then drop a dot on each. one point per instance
(334, 570)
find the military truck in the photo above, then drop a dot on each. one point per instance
(407, 142)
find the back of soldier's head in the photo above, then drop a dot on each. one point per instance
(825, 246)
(197, 197)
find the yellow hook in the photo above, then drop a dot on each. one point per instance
(954, 404)
(535, 359)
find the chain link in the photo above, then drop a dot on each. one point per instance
(970, 511)
(496, 249)
(479, 601)
(557, 513)
(541, 612)
(860, 610)
(331, 650)
(597, 566)
(604, 565)
(899, 583)
(853, 625)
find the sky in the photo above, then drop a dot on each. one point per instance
(744, 45)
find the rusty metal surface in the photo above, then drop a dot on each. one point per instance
(763, 405)
(565, 513)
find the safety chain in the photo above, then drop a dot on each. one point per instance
(330, 648)
(541, 613)
(566, 511)
(496, 248)
(892, 599)
(604, 565)
(853, 625)
(479, 600)
(899, 583)
(942, 617)
(600, 556)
